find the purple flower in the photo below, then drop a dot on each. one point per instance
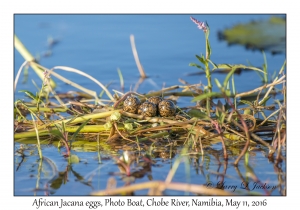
(46, 74)
(201, 25)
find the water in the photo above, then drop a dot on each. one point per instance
(98, 45)
(59, 178)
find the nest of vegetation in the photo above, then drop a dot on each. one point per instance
(110, 124)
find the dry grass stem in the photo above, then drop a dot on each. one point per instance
(65, 68)
(18, 74)
(277, 82)
(69, 82)
(116, 128)
(136, 58)
(192, 188)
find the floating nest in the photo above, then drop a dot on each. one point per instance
(136, 122)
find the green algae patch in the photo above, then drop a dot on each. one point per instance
(268, 35)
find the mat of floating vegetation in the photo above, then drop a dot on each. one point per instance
(110, 128)
(268, 35)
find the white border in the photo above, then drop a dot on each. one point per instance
(8, 8)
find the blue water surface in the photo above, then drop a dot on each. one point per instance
(166, 44)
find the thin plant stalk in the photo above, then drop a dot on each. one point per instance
(161, 186)
(277, 82)
(267, 118)
(265, 68)
(245, 130)
(121, 79)
(66, 68)
(278, 126)
(204, 27)
(90, 92)
(19, 73)
(46, 84)
(217, 126)
(279, 141)
(281, 72)
(267, 93)
(136, 58)
(38, 138)
(38, 175)
(176, 165)
(233, 90)
(98, 149)
(116, 129)
(207, 70)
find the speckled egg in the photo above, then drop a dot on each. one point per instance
(131, 104)
(155, 99)
(148, 109)
(166, 108)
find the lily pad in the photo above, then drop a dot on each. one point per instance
(268, 35)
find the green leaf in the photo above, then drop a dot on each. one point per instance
(260, 75)
(220, 112)
(208, 48)
(218, 83)
(238, 66)
(227, 106)
(103, 91)
(57, 132)
(213, 64)
(221, 118)
(198, 114)
(265, 68)
(264, 100)
(208, 30)
(221, 106)
(198, 66)
(121, 78)
(63, 125)
(79, 128)
(246, 102)
(221, 66)
(282, 68)
(234, 68)
(201, 59)
(205, 96)
(30, 94)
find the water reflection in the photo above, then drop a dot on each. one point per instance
(209, 170)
